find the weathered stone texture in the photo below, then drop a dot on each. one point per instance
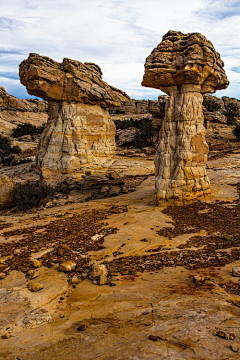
(77, 137)
(80, 134)
(70, 81)
(185, 67)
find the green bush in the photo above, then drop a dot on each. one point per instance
(29, 195)
(27, 129)
(236, 131)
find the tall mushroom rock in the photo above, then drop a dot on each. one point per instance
(184, 67)
(80, 134)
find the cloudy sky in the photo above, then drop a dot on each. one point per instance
(117, 35)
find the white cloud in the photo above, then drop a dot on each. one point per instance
(118, 35)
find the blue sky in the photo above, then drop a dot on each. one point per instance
(117, 35)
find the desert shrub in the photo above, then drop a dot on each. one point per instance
(211, 104)
(148, 133)
(29, 195)
(5, 145)
(236, 131)
(27, 129)
(15, 149)
(232, 111)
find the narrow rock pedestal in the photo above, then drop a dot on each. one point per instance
(184, 66)
(181, 156)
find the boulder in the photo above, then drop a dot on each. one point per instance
(184, 66)
(6, 188)
(99, 274)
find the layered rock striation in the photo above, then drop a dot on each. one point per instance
(185, 67)
(80, 134)
(14, 111)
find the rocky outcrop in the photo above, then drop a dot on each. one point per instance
(184, 67)
(154, 109)
(14, 111)
(80, 134)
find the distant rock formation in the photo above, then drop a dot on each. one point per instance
(14, 111)
(153, 109)
(80, 134)
(184, 67)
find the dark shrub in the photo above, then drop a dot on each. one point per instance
(232, 112)
(5, 145)
(148, 133)
(27, 129)
(15, 149)
(28, 195)
(236, 132)
(211, 104)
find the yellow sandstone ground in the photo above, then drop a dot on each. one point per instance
(152, 254)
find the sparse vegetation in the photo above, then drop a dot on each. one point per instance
(27, 129)
(29, 195)
(211, 104)
(6, 152)
(148, 133)
(236, 131)
(232, 112)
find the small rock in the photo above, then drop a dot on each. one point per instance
(148, 323)
(99, 274)
(67, 266)
(33, 274)
(49, 204)
(61, 316)
(37, 263)
(145, 313)
(63, 249)
(6, 336)
(234, 348)
(82, 327)
(88, 173)
(35, 287)
(115, 190)
(153, 337)
(236, 271)
(198, 279)
(104, 189)
(75, 280)
(2, 275)
(17, 251)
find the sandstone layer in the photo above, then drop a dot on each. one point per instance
(185, 67)
(14, 111)
(80, 134)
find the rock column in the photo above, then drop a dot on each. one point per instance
(181, 156)
(185, 66)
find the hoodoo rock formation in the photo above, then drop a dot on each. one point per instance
(185, 67)
(80, 134)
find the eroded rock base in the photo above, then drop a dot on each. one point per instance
(77, 137)
(181, 156)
